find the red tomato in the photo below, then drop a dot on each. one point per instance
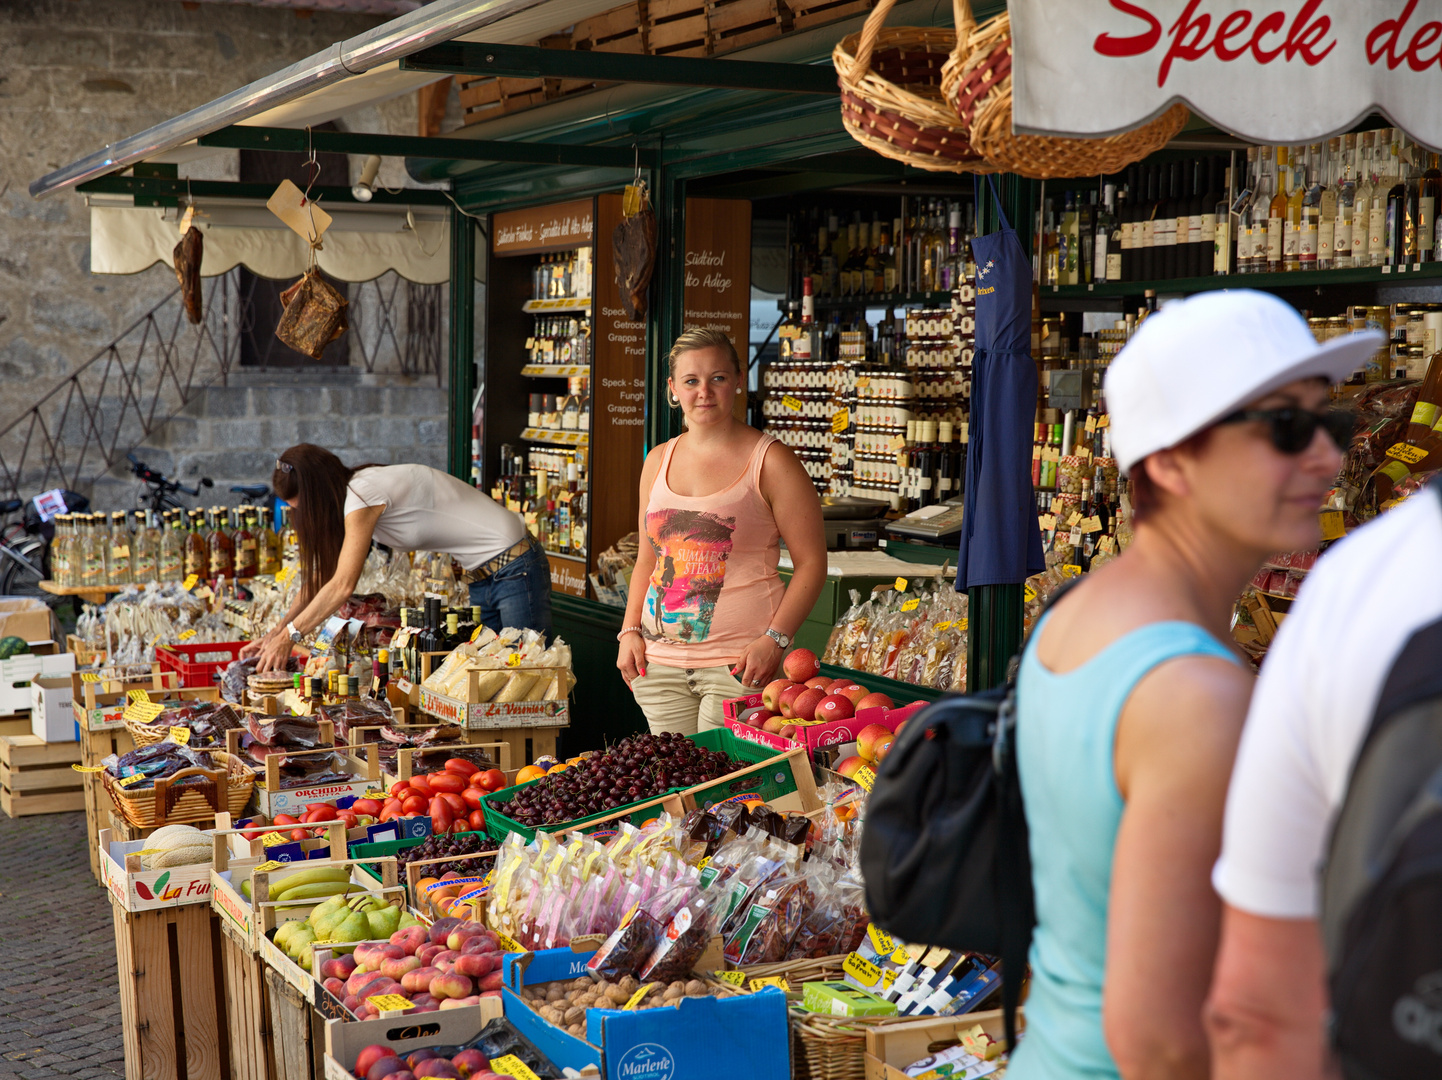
(322, 812)
(366, 806)
(455, 802)
(350, 817)
(316, 805)
(420, 786)
(285, 819)
(445, 781)
(461, 767)
(460, 825)
(299, 834)
(472, 796)
(440, 815)
(414, 804)
(491, 779)
(392, 810)
(400, 789)
(478, 820)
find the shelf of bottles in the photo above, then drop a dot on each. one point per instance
(877, 410)
(95, 551)
(1359, 208)
(1079, 493)
(547, 487)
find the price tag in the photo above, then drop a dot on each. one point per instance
(792, 403)
(477, 632)
(510, 1065)
(90, 676)
(1333, 526)
(179, 735)
(861, 969)
(375, 684)
(128, 781)
(1046, 522)
(1091, 424)
(896, 442)
(1073, 518)
(1028, 594)
(1406, 452)
(530, 343)
(1057, 505)
(901, 584)
(390, 1002)
(283, 574)
(267, 867)
(963, 624)
(190, 582)
(120, 551)
(88, 768)
(1071, 570)
(865, 777)
(863, 381)
(274, 839)
(912, 604)
(1092, 524)
(645, 989)
(1104, 420)
(373, 793)
(139, 696)
(507, 942)
(404, 686)
(840, 421)
(770, 980)
(143, 712)
(186, 635)
(943, 627)
(735, 978)
(881, 940)
(514, 660)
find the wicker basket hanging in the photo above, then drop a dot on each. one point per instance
(976, 81)
(891, 93)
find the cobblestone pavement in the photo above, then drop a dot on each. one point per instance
(59, 998)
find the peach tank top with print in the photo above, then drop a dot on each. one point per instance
(715, 586)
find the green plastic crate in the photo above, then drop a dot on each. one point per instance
(499, 825)
(768, 784)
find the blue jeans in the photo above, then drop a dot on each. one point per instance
(518, 594)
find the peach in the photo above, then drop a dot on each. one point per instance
(396, 967)
(359, 979)
(461, 1003)
(474, 965)
(379, 986)
(370, 1055)
(874, 701)
(451, 985)
(771, 696)
(804, 704)
(335, 986)
(471, 1060)
(429, 952)
(800, 665)
(362, 955)
(441, 929)
(386, 1066)
(493, 981)
(439, 1067)
(834, 707)
(461, 935)
(415, 1057)
(847, 767)
(410, 939)
(866, 739)
(420, 979)
(789, 696)
(340, 967)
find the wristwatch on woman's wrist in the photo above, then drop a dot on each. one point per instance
(295, 635)
(781, 639)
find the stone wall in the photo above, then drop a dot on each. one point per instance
(76, 75)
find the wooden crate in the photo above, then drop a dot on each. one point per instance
(95, 747)
(248, 1023)
(485, 99)
(622, 29)
(172, 1006)
(15, 724)
(808, 13)
(737, 23)
(85, 656)
(892, 1047)
(677, 28)
(36, 777)
(297, 1032)
(526, 744)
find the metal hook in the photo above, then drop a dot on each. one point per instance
(637, 148)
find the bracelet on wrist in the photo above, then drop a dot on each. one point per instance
(628, 630)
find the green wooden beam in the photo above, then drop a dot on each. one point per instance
(533, 62)
(299, 141)
(151, 187)
(461, 387)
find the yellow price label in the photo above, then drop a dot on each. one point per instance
(274, 839)
(1334, 526)
(943, 627)
(267, 867)
(1028, 594)
(129, 781)
(375, 793)
(638, 995)
(1091, 424)
(390, 1002)
(138, 696)
(735, 978)
(143, 712)
(865, 777)
(861, 969)
(882, 941)
(88, 768)
(510, 1065)
(186, 635)
(1406, 452)
(912, 604)
(179, 735)
(963, 624)
(897, 442)
(1091, 524)
(863, 381)
(792, 403)
(770, 980)
(900, 584)
(190, 582)
(514, 660)
(1071, 570)
(1104, 420)
(477, 632)
(840, 421)
(508, 943)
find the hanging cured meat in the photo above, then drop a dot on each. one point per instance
(187, 256)
(315, 315)
(634, 240)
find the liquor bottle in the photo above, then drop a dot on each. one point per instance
(1379, 184)
(1069, 238)
(1309, 239)
(1247, 214)
(1276, 209)
(1147, 261)
(1220, 220)
(247, 550)
(220, 545)
(117, 551)
(268, 544)
(891, 272)
(380, 674)
(197, 553)
(803, 345)
(1051, 254)
(1344, 188)
(171, 558)
(1429, 198)
(144, 549)
(289, 540)
(1292, 224)
(453, 631)
(1086, 241)
(1201, 222)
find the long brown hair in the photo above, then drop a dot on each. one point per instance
(316, 479)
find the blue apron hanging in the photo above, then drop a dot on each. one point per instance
(1000, 539)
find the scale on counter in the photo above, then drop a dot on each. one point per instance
(852, 523)
(932, 523)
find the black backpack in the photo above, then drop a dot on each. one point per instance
(944, 849)
(1381, 914)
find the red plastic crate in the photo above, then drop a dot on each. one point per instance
(197, 665)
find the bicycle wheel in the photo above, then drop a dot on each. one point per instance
(19, 580)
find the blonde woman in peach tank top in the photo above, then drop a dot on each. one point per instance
(708, 617)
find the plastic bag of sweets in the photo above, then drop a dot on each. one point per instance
(636, 938)
(842, 641)
(771, 920)
(751, 877)
(685, 938)
(826, 926)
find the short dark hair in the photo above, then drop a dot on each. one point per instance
(1146, 496)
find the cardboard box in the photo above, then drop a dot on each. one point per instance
(344, 1040)
(843, 999)
(52, 717)
(890, 1048)
(272, 799)
(701, 1039)
(17, 673)
(24, 617)
(137, 889)
(495, 714)
(814, 736)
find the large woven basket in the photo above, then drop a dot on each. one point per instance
(891, 91)
(976, 81)
(167, 801)
(830, 1047)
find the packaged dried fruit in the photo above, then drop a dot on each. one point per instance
(770, 921)
(629, 946)
(684, 940)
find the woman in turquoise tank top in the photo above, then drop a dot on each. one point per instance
(1130, 703)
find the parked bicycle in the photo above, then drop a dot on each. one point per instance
(162, 492)
(25, 543)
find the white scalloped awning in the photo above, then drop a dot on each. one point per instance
(359, 246)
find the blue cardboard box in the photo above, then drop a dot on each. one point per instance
(701, 1039)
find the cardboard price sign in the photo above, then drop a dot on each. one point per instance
(735, 978)
(179, 735)
(865, 776)
(143, 712)
(770, 980)
(391, 1003)
(510, 1065)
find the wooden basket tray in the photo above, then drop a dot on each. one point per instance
(225, 789)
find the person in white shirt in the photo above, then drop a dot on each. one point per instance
(1319, 688)
(339, 510)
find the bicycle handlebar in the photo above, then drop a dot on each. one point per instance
(159, 480)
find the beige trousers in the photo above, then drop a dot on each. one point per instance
(684, 700)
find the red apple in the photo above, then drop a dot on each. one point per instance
(820, 682)
(788, 696)
(867, 737)
(790, 731)
(834, 707)
(800, 665)
(803, 706)
(774, 724)
(771, 696)
(847, 767)
(757, 717)
(853, 693)
(874, 701)
(883, 747)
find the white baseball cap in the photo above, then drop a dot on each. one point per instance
(1200, 359)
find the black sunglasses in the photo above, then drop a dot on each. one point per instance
(1292, 429)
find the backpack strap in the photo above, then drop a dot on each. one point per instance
(1018, 913)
